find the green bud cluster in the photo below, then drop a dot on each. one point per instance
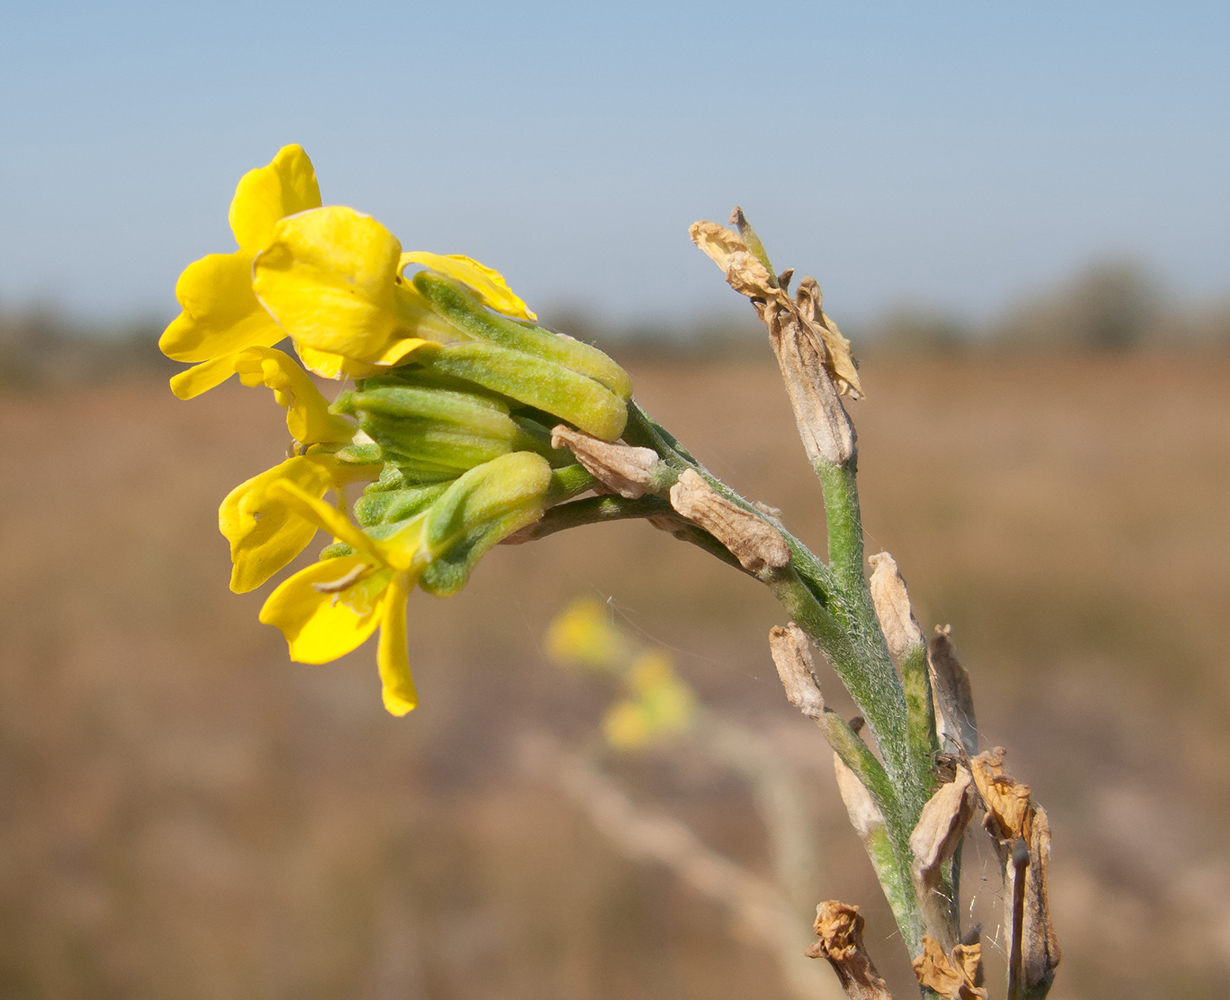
(552, 373)
(437, 423)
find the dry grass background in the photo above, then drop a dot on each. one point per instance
(184, 814)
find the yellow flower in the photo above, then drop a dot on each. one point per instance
(265, 532)
(329, 277)
(333, 607)
(221, 315)
(307, 411)
(330, 608)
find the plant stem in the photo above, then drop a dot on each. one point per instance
(906, 738)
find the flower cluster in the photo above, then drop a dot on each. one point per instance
(655, 704)
(455, 391)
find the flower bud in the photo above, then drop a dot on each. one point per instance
(479, 510)
(536, 382)
(458, 304)
(435, 434)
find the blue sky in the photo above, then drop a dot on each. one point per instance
(954, 154)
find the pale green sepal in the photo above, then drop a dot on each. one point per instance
(359, 454)
(388, 506)
(335, 550)
(448, 572)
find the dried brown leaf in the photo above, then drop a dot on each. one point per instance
(968, 960)
(750, 540)
(840, 940)
(622, 468)
(815, 358)
(1022, 837)
(892, 604)
(1039, 946)
(941, 825)
(949, 977)
(942, 822)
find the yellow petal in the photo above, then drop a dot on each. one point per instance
(220, 312)
(203, 377)
(267, 194)
(307, 411)
(330, 280)
(396, 683)
(311, 508)
(326, 364)
(488, 284)
(320, 625)
(264, 531)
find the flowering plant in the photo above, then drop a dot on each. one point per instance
(471, 425)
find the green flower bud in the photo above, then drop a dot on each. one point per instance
(484, 506)
(436, 434)
(456, 303)
(544, 385)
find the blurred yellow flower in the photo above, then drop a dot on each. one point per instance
(664, 703)
(582, 635)
(657, 703)
(627, 726)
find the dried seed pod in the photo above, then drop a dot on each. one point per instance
(934, 839)
(630, 472)
(750, 540)
(892, 604)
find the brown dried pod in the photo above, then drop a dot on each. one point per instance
(750, 540)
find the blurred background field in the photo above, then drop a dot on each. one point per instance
(183, 813)
(1019, 216)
